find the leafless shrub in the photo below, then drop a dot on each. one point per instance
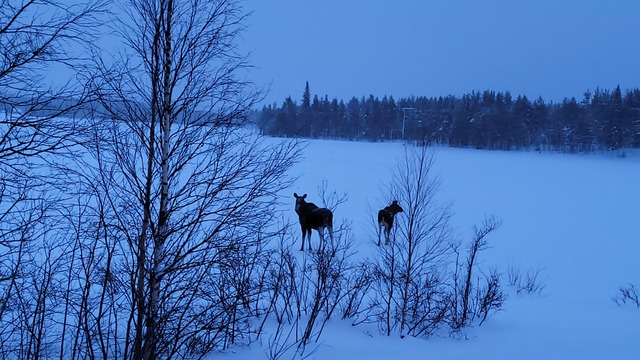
(462, 310)
(529, 283)
(409, 291)
(328, 283)
(628, 295)
(359, 282)
(304, 290)
(489, 297)
(281, 344)
(414, 291)
(330, 200)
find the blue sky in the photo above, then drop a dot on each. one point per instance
(344, 48)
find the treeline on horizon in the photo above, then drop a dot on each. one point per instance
(601, 120)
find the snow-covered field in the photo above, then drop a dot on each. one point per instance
(575, 218)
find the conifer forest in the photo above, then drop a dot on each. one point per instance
(601, 120)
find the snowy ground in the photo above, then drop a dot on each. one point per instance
(576, 218)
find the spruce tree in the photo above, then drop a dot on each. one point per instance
(306, 98)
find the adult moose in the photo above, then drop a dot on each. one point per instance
(385, 219)
(313, 217)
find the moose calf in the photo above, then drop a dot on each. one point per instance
(385, 219)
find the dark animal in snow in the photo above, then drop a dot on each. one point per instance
(313, 217)
(385, 220)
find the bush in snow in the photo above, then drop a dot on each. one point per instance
(466, 307)
(415, 290)
(628, 295)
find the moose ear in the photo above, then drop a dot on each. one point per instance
(304, 196)
(295, 195)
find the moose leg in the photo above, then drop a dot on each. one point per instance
(379, 232)
(309, 238)
(387, 232)
(303, 234)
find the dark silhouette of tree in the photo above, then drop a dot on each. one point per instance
(306, 98)
(539, 124)
(287, 119)
(632, 106)
(522, 123)
(353, 127)
(189, 192)
(614, 125)
(484, 120)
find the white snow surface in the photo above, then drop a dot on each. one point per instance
(573, 217)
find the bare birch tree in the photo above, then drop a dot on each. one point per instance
(410, 272)
(190, 191)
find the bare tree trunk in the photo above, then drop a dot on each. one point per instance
(143, 312)
(166, 115)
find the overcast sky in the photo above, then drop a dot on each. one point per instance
(344, 48)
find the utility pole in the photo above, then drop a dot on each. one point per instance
(404, 118)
